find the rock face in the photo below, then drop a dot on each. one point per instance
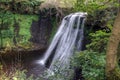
(41, 29)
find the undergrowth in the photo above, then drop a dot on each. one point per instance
(91, 63)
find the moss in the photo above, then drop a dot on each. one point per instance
(24, 22)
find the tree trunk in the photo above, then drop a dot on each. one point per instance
(111, 58)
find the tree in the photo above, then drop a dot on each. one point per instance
(111, 58)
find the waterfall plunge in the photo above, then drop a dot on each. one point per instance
(68, 38)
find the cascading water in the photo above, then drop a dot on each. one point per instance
(67, 39)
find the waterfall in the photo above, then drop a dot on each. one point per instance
(67, 39)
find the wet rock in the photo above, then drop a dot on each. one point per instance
(41, 30)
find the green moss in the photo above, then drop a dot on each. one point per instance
(25, 22)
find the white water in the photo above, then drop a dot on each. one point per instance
(68, 38)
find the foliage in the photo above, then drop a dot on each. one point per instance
(28, 5)
(5, 0)
(21, 6)
(92, 5)
(59, 73)
(5, 21)
(16, 74)
(99, 41)
(101, 13)
(92, 64)
(24, 21)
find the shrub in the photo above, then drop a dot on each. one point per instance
(92, 64)
(99, 41)
(59, 73)
(16, 74)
